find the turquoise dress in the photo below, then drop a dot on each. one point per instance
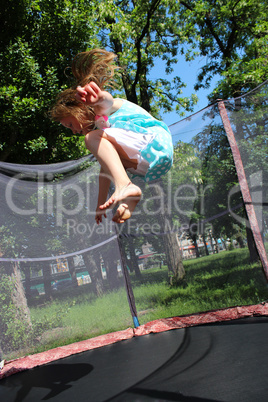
(143, 137)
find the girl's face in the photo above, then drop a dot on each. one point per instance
(73, 124)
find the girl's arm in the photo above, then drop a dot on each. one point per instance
(102, 101)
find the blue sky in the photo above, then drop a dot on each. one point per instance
(188, 72)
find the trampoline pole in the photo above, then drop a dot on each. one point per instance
(244, 187)
(130, 295)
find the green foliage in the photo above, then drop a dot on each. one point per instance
(14, 330)
(144, 34)
(249, 68)
(36, 145)
(16, 333)
(7, 307)
(55, 318)
(32, 73)
(233, 38)
(13, 16)
(218, 178)
(39, 39)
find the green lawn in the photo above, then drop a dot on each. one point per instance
(213, 282)
(222, 280)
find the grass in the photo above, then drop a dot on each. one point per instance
(216, 281)
(213, 282)
(83, 319)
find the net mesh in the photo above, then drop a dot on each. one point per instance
(189, 246)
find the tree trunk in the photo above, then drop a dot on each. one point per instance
(253, 253)
(239, 240)
(196, 248)
(224, 243)
(110, 264)
(174, 259)
(172, 250)
(216, 245)
(205, 244)
(129, 86)
(171, 244)
(27, 273)
(18, 295)
(47, 281)
(211, 242)
(72, 271)
(94, 270)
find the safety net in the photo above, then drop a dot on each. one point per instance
(196, 242)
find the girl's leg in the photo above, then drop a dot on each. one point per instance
(126, 193)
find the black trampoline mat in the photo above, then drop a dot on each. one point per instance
(214, 362)
(96, 375)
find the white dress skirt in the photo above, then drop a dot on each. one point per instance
(143, 138)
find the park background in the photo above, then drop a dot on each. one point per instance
(219, 50)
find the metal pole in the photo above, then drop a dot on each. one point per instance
(244, 187)
(130, 295)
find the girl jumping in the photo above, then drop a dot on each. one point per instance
(120, 134)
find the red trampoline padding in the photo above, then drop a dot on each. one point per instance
(38, 359)
(160, 325)
(208, 317)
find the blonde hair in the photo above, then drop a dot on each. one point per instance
(67, 105)
(95, 65)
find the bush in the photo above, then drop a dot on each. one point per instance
(14, 330)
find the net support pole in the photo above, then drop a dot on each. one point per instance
(244, 187)
(129, 290)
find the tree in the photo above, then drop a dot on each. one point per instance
(141, 34)
(233, 38)
(13, 15)
(32, 65)
(39, 39)
(16, 321)
(47, 35)
(15, 324)
(218, 177)
(172, 200)
(248, 119)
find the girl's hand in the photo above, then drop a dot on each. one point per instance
(101, 101)
(90, 94)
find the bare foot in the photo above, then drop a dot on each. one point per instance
(109, 203)
(125, 211)
(128, 197)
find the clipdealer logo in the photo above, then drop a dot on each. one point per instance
(66, 200)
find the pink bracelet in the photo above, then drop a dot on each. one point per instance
(102, 121)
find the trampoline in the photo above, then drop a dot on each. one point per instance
(212, 362)
(52, 251)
